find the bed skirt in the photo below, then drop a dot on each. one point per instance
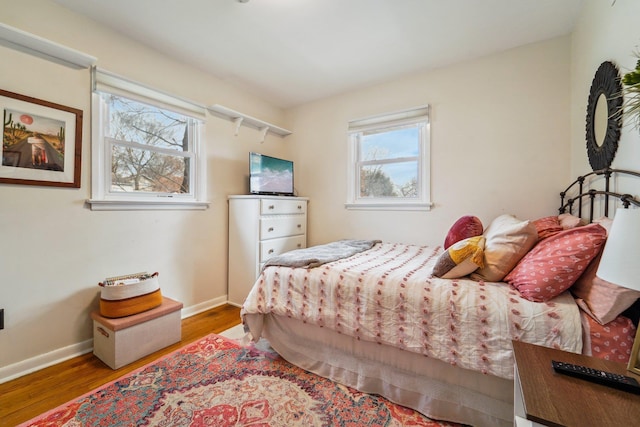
(434, 388)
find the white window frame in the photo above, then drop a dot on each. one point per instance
(102, 198)
(413, 116)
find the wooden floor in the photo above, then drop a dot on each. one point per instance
(33, 394)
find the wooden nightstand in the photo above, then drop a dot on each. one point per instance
(544, 397)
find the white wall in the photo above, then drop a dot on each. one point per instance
(499, 144)
(54, 250)
(604, 32)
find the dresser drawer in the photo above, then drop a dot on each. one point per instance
(279, 207)
(282, 226)
(270, 248)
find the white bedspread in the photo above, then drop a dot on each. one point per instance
(387, 295)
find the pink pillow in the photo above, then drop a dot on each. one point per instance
(547, 226)
(568, 221)
(602, 300)
(465, 227)
(556, 262)
(605, 222)
(612, 341)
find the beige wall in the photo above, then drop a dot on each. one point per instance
(54, 250)
(604, 32)
(507, 134)
(499, 144)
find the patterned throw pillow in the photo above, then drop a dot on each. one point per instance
(547, 226)
(556, 262)
(465, 227)
(460, 259)
(612, 341)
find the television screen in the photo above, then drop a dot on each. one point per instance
(269, 175)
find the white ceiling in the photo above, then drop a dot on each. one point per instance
(294, 51)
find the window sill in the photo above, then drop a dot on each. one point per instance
(389, 206)
(144, 205)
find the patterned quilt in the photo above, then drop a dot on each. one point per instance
(388, 295)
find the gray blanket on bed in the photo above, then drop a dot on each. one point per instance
(321, 254)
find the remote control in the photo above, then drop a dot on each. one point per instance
(609, 379)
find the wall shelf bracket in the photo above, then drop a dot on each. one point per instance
(263, 133)
(238, 122)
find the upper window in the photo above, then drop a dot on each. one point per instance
(146, 148)
(389, 161)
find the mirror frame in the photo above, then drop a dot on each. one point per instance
(605, 82)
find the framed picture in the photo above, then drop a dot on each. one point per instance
(41, 142)
(634, 359)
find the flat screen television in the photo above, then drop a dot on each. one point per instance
(270, 175)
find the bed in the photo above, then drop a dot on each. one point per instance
(431, 327)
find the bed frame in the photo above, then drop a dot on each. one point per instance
(588, 198)
(625, 199)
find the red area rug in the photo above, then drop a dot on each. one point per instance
(216, 382)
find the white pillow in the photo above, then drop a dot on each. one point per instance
(508, 239)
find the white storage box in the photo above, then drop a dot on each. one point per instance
(118, 342)
(130, 290)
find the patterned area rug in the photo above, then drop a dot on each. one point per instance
(217, 382)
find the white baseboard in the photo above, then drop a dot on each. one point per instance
(33, 364)
(203, 306)
(45, 360)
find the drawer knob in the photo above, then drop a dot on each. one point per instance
(271, 207)
(299, 225)
(299, 206)
(299, 245)
(270, 229)
(270, 251)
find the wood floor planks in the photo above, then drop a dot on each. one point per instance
(29, 396)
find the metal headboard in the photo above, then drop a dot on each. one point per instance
(625, 199)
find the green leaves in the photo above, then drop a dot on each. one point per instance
(631, 91)
(632, 78)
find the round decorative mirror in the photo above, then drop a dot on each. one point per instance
(604, 116)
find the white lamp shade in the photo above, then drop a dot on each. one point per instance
(620, 262)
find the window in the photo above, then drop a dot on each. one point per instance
(146, 148)
(389, 161)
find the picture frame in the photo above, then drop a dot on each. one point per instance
(41, 142)
(634, 359)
